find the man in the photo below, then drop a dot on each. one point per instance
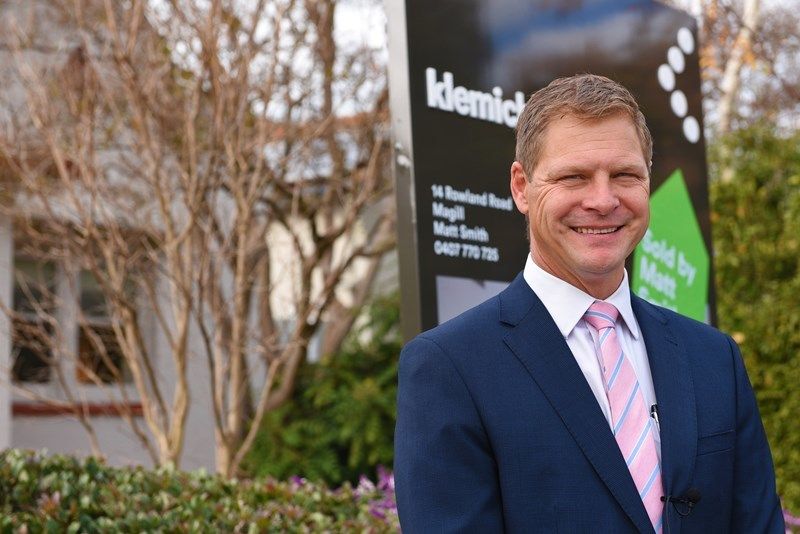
(567, 404)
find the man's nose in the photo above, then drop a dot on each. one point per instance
(601, 195)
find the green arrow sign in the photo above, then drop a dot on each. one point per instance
(670, 265)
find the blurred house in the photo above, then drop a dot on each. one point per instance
(39, 389)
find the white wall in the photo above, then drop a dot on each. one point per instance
(198, 447)
(64, 435)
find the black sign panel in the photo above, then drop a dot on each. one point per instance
(460, 73)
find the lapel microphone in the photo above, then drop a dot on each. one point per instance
(690, 498)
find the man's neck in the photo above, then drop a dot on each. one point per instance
(600, 287)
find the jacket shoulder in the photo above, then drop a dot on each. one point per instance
(687, 327)
(468, 325)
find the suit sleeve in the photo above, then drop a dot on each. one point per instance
(756, 507)
(445, 473)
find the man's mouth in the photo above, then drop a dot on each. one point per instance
(586, 230)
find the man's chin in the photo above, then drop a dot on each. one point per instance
(602, 271)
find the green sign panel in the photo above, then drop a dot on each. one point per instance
(670, 265)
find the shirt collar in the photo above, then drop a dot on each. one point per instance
(567, 304)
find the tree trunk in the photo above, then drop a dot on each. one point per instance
(732, 79)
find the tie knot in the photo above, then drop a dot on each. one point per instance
(601, 315)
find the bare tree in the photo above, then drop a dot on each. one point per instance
(749, 62)
(731, 76)
(220, 167)
(750, 65)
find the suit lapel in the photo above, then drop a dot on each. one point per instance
(539, 345)
(674, 388)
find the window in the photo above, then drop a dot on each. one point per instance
(99, 352)
(32, 335)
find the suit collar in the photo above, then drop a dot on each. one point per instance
(536, 341)
(567, 304)
(672, 380)
(516, 301)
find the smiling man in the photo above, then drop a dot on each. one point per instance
(567, 404)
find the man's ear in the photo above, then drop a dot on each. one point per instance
(519, 187)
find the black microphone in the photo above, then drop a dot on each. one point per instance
(690, 498)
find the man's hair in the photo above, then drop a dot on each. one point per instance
(586, 96)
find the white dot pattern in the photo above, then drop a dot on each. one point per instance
(679, 103)
(691, 129)
(675, 59)
(676, 64)
(666, 77)
(686, 40)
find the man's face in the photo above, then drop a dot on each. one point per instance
(587, 200)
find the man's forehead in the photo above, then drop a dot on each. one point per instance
(568, 165)
(572, 129)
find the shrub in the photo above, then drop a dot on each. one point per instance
(340, 422)
(756, 229)
(41, 493)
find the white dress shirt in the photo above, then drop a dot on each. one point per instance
(566, 305)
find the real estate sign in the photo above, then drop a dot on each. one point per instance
(460, 73)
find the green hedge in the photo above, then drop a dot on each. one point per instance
(55, 494)
(756, 230)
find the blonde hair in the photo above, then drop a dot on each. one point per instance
(585, 96)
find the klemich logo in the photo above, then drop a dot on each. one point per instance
(446, 96)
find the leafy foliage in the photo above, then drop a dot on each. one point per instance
(62, 494)
(756, 229)
(340, 422)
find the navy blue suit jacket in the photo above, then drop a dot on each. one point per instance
(498, 430)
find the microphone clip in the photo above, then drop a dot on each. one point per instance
(687, 501)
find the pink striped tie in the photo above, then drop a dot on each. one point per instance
(633, 427)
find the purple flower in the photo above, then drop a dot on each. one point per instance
(377, 512)
(790, 519)
(379, 498)
(385, 479)
(365, 487)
